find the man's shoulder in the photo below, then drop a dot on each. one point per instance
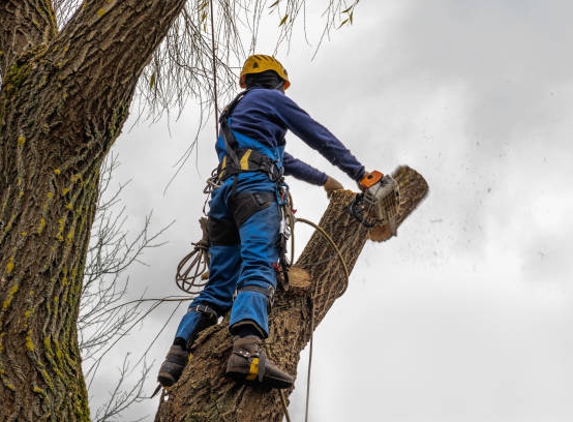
(267, 93)
(272, 98)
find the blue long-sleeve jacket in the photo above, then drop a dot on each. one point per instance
(260, 121)
(303, 171)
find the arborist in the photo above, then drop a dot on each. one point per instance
(245, 219)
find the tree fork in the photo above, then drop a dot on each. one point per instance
(204, 394)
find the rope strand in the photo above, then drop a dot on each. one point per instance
(311, 341)
(214, 58)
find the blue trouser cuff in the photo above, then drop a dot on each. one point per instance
(188, 324)
(251, 306)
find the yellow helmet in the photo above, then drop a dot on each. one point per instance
(260, 63)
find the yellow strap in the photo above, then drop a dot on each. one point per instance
(253, 370)
(243, 163)
(245, 160)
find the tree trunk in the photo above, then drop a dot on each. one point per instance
(65, 97)
(205, 395)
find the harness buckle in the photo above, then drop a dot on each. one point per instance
(275, 173)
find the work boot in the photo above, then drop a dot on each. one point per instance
(248, 363)
(172, 368)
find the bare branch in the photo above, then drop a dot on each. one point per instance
(182, 67)
(105, 315)
(120, 399)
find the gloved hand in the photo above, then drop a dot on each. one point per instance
(331, 185)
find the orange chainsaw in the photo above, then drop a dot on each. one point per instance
(379, 201)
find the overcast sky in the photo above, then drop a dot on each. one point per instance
(467, 315)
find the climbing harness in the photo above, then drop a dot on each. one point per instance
(238, 160)
(248, 160)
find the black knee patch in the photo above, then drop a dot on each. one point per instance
(245, 205)
(222, 232)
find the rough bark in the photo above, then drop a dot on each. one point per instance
(205, 395)
(65, 97)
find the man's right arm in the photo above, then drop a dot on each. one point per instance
(318, 137)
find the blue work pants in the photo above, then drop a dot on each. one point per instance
(243, 249)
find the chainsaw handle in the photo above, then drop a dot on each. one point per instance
(370, 179)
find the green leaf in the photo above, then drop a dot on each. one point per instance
(204, 4)
(344, 22)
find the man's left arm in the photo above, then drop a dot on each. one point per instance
(305, 172)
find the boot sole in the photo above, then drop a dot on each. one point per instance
(266, 383)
